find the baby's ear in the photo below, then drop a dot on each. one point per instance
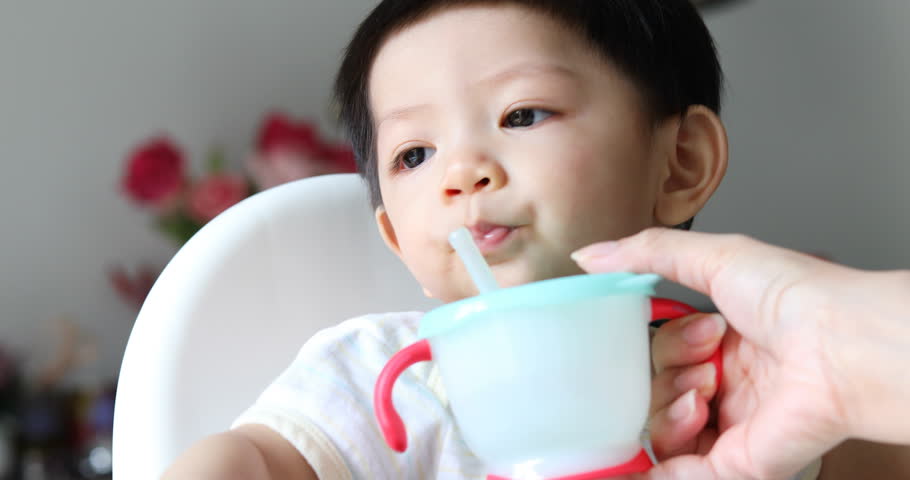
(386, 230)
(695, 166)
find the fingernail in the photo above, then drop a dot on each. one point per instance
(597, 250)
(700, 378)
(683, 407)
(704, 329)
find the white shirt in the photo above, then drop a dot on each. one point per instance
(323, 405)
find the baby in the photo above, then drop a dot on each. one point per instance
(542, 125)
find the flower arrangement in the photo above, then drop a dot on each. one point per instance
(156, 179)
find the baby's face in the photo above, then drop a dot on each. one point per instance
(500, 119)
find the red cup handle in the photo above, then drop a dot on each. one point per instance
(389, 421)
(664, 308)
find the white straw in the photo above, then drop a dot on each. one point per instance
(463, 243)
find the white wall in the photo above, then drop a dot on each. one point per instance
(818, 114)
(817, 110)
(81, 83)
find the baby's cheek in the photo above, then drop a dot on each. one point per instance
(443, 282)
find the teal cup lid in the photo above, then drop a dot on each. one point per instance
(543, 293)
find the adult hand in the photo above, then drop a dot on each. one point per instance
(817, 351)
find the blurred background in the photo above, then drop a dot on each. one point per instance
(236, 95)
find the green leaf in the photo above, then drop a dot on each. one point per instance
(215, 162)
(178, 227)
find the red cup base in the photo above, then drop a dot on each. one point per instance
(641, 463)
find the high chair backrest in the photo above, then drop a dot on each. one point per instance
(237, 302)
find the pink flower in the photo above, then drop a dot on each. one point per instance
(215, 194)
(154, 173)
(282, 166)
(289, 150)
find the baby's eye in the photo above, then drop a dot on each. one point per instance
(525, 117)
(414, 157)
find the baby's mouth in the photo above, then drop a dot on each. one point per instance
(489, 236)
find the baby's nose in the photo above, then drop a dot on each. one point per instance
(473, 176)
(478, 185)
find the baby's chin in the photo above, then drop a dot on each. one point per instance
(521, 273)
(510, 274)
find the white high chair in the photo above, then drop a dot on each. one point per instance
(237, 302)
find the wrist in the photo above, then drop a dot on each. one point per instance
(869, 345)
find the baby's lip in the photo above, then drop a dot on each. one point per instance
(488, 236)
(481, 230)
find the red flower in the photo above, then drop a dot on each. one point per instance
(289, 150)
(133, 288)
(215, 194)
(278, 132)
(341, 159)
(154, 173)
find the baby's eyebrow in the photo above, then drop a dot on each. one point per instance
(401, 113)
(506, 75)
(528, 69)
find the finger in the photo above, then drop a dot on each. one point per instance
(668, 385)
(687, 341)
(674, 429)
(690, 258)
(701, 261)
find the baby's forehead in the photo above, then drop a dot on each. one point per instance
(453, 50)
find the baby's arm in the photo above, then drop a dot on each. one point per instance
(247, 452)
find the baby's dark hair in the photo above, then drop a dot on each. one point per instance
(663, 46)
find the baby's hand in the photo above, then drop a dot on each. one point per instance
(684, 383)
